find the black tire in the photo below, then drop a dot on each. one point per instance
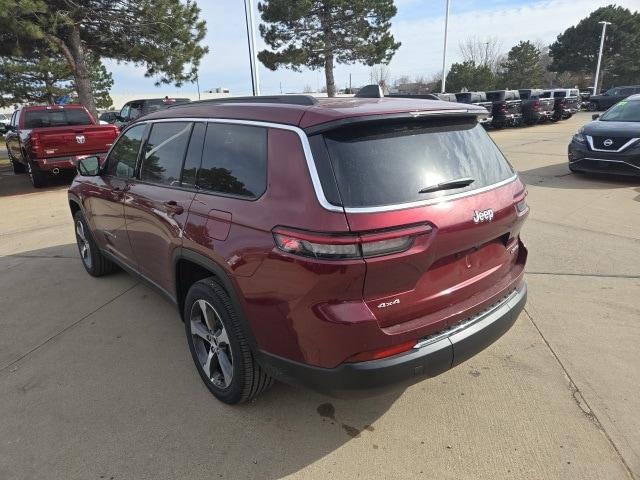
(38, 178)
(94, 262)
(18, 167)
(248, 379)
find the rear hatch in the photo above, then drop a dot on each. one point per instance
(464, 248)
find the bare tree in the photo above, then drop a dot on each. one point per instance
(481, 51)
(380, 75)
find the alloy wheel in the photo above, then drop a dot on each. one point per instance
(211, 343)
(83, 244)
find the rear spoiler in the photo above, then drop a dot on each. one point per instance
(375, 91)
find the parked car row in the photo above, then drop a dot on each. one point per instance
(513, 108)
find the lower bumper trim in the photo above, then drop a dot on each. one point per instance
(433, 358)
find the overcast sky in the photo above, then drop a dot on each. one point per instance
(419, 25)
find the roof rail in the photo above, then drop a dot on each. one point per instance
(284, 99)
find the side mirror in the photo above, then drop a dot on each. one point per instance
(9, 128)
(89, 166)
(595, 116)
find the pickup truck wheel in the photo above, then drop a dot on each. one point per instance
(17, 166)
(38, 178)
(218, 345)
(95, 263)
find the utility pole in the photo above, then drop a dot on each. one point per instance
(198, 84)
(444, 51)
(251, 41)
(350, 87)
(604, 29)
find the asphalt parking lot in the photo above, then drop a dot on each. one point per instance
(96, 380)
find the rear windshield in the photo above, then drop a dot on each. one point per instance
(495, 96)
(388, 164)
(56, 118)
(624, 111)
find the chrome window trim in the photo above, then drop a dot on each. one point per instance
(606, 160)
(315, 178)
(626, 145)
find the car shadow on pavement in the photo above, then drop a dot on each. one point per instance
(19, 184)
(559, 176)
(118, 377)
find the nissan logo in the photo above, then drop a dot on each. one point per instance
(608, 142)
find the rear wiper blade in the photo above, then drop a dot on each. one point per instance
(449, 185)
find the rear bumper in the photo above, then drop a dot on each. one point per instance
(61, 163)
(431, 356)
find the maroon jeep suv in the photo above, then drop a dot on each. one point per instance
(341, 244)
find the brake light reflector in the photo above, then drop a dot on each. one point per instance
(382, 352)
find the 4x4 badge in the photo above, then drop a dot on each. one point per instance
(480, 216)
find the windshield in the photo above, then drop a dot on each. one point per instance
(56, 118)
(623, 111)
(389, 164)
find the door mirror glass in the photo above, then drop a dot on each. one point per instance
(89, 166)
(595, 116)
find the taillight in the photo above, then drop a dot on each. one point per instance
(536, 105)
(35, 143)
(504, 107)
(382, 352)
(327, 246)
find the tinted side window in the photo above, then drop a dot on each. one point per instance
(194, 155)
(234, 160)
(164, 152)
(123, 156)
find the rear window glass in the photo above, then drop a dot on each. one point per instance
(56, 118)
(560, 94)
(377, 165)
(495, 96)
(545, 95)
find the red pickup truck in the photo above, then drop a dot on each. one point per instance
(46, 140)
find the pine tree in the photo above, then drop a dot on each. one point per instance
(162, 35)
(320, 33)
(522, 68)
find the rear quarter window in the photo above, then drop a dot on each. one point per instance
(234, 160)
(380, 165)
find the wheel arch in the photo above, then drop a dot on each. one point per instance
(190, 267)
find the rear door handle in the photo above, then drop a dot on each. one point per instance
(172, 208)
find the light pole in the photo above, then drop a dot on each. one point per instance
(251, 41)
(604, 29)
(444, 51)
